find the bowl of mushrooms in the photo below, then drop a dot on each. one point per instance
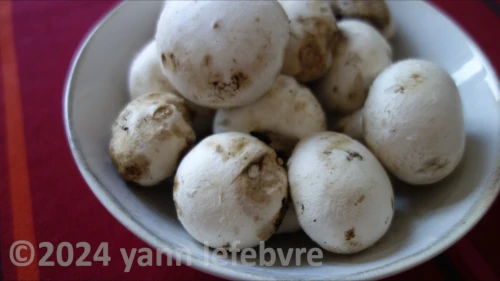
(368, 130)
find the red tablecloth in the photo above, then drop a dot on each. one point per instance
(43, 198)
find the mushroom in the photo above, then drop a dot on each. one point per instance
(342, 195)
(237, 54)
(146, 76)
(414, 122)
(230, 187)
(287, 113)
(351, 125)
(149, 136)
(313, 32)
(374, 12)
(360, 55)
(290, 222)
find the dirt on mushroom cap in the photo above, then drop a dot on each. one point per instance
(147, 128)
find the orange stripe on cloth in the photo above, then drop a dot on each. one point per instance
(22, 213)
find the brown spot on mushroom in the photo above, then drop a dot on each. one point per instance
(166, 110)
(259, 178)
(176, 131)
(256, 218)
(175, 63)
(135, 168)
(257, 19)
(337, 141)
(312, 59)
(361, 199)
(433, 165)
(207, 60)
(223, 90)
(239, 79)
(177, 208)
(299, 106)
(176, 183)
(216, 24)
(271, 228)
(349, 234)
(417, 78)
(237, 146)
(278, 218)
(226, 245)
(398, 89)
(392, 203)
(162, 112)
(164, 60)
(219, 148)
(352, 154)
(386, 220)
(280, 161)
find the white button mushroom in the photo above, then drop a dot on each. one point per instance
(313, 32)
(230, 187)
(290, 222)
(414, 123)
(146, 76)
(222, 54)
(342, 194)
(287, 113)
(351, 125)
(145, 73)
(149, 136)
(360, 55)
(375, 12)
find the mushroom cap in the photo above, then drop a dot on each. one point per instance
(342, 194)
(288, 109)
(290, 221)
(149, 136)
(360, 55)
(414, 123)
(313, 31)
(374, 12)
(146, 75)
(230, 187)
(351, 125)
(236, 55)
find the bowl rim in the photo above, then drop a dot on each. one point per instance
(477, 211)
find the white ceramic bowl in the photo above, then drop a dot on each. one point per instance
(428, 219)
